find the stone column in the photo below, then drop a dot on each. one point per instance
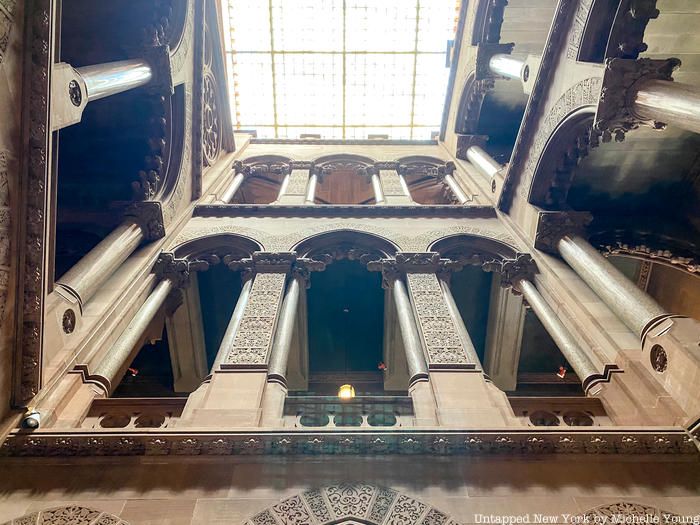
(483, 161)
(455, 188)
(90, 273)
(574, 354)
(377, 188)
(104, 80)
(508, 66)
(311, 189)
(232, 189)
(467, 343)
(668, 102)
(279, 355)
(234, 323)
(633, 306)
(110, 370)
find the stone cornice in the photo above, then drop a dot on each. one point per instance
(512, 441)
(355, 142)
(274, 210)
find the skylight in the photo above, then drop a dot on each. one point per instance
(349, 69)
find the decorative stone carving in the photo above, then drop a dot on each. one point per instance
(627, 34)
(211, 132)
(440, 336)
(7, 9)
(151, 178)
(69, 514)
(180, 54)
(158, 57)
(514, 270)
(470, 103)
(643, 251)
(553, 225)
(262, 168)
(464, 142)
(253, 339)
(149, 215)
(426, 169)
(391, 183)
(298, 180)
(68, 321)
(625, 512)
(484, 52)
(489, 19)
(578, 26)
(615, 116)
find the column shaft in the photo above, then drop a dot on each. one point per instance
(90, 273)
(459, 322)
(115, 362)
(279, 355)
(668, 102)
(103, 80)
(483, 161)
(507, 66)
(634, 307)
(283, 186)
(568, 346)
(233, 324)
(377, 188)
(311, 189)
(456, 189)
(417, 367)
(233, 188)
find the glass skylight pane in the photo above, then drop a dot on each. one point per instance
(437, 23)
(307, 25)
(309, 89)
(252, 86)
(249, 25)
(379, 91)
(363, 132)
(386, 25)
(424, 133)
(431, 83)
(294, 132)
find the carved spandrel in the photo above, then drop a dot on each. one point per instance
(298, 181)
(251, 345)
(391, 183)
(440, 337)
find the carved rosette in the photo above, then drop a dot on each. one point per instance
(615, 115)
(440, 337)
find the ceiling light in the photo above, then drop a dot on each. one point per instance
(346, 392)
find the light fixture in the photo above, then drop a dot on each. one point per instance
(346, 392)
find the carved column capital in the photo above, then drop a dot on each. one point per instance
(553, 225)
(149, 215)
(304, 266)
(390, 165)
(177, 270)
(484, 52)
(514, 270)
(418, 262)
(273, 262)
(301, 165)
(158, 58)
(615, 116)
(239, 167)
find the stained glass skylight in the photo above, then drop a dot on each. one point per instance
(338, 68)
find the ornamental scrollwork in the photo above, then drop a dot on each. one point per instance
(211, 125)
(73, 514)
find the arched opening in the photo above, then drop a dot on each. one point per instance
(263, 182)
(343, 179)
(425, 178)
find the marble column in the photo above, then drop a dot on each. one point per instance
(279, 355)
(232, 189)
(110, 370)
(458, 321)
(508, 66)
(90, 273)
(234, 323)
(633, 306)
(104, 80)
(311, 189)
(669, 102)
(456, 189)
(483, 161)
(417, 366)
(377, 188)
(574, 354)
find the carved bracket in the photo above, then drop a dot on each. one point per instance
(553, 225)
(513, 270)
(484, 52)
(149, 215)
(615, 115)
(261, 169)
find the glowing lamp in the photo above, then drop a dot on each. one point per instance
(346, 392)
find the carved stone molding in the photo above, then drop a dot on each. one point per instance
(149, 215)
(649, 254)
(553, 225)
(627, 34)
(379, 442)
(488, 21)
(159, 58)
(469, 110)
(426, 168)
(257, 168)
(513, 270)
(441, 339)
(351, 501)
(73, 514)
(627, 512)
(615, 115)
(7, 11)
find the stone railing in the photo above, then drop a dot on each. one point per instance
(360, 412)
(136, 413)
(560, 411)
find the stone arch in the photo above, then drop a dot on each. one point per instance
(219, 244)
(74, 514)
(266, 159)
(470, 102)
(369, 504)
(627, 512)
(473, 245)
(346, 160)
(567, 145)
(345, 243)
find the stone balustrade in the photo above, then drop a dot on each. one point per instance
(360, 412)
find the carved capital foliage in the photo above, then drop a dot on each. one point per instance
(484, 52)
(464, 142)
(513, 270)
(273, 262)
(615, 115)
(553, 225)
(177, 270)
(149, 215)
(426, 169)
(626, 37)
(417, 262)
(386, 165)
(158, 58)
(263, 168)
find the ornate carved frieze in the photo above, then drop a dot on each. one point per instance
(441, 339)
(378, 442)
(152, 177)
(426, 169)
(251, 345)
(642, 251)
(149, 215)
(158, 57)
(513, 270)
(578, 26)
(626, 512)
(391, 183)
(73, 514)
(615, 115)
(553, 225)
(263, 168)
